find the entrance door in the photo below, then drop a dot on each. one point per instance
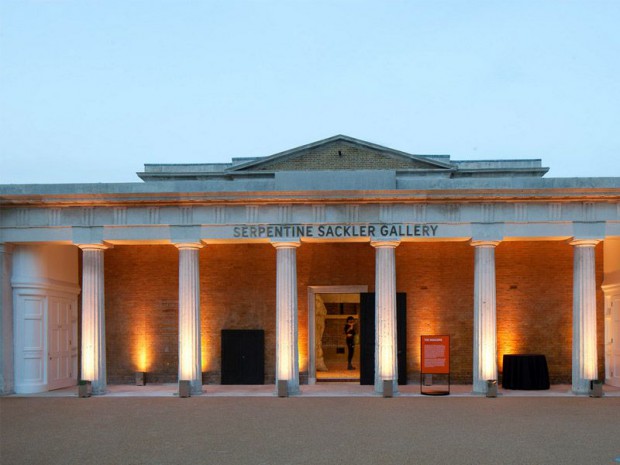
(243, 356)
(367, 337)
(62, 343)
(614, 362)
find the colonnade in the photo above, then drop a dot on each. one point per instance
(287, 360)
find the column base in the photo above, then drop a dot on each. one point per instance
(99, 390)
(379, 387)
(581, 387)
(480, 387)
(196, 387)
(292, 388)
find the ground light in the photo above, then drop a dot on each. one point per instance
(140, 378)
(184, 388)
(491, 388)
(282, 388)
(388, 388)
(596, 388)
(85, 388)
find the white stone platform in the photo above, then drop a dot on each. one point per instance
(317, 390)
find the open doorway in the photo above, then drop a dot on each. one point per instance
(337, 337)
(331, 308)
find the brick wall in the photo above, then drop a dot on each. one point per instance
(141, 302)
(535, 303)
(238, 291)
(534, 300)
(439, 281)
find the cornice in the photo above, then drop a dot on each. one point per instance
(319, 196)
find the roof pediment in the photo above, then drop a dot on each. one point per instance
(341, 153)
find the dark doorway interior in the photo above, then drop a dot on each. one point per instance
(367, 337)
(243, 356)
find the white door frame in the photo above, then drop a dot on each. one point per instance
(312, 291)
(612, 345)
(31, 334)
(66, 306)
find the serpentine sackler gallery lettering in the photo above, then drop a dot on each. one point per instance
(336, 230)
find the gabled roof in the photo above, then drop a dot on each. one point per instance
(300, 156)
(345, 155)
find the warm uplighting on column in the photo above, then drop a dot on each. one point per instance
(93, 317)
(285, 368)
(386, 363)
(585, 356)
(488, 365)
(287, 363)
(485, 332)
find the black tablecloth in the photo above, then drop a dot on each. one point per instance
(525, 371)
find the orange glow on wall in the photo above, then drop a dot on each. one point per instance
(143, 357)
(203, 352)
(509, 341)
(302, 348)
(142, 345)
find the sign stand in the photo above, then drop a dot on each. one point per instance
(434, 360)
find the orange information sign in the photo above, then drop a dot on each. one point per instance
(436, 354)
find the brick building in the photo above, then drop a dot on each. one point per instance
(246, 272)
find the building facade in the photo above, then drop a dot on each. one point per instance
(173, 275)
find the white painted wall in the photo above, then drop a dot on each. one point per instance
(42, 276)
(46, 263)
(6, 320)
(611, 261)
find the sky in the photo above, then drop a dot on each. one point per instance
(90, 91)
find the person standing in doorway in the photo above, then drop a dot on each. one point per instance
(350, 331)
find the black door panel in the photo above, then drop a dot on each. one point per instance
(243, 356)
(367, 337)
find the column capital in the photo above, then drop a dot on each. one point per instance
(189, 245)
(584, 242)
(285, 244)
(378, 244)
(483, 243)
(94, 246)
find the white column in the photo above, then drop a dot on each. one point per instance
(485, 331)
(287, 359)
(584, 316)
(190, 363)
(386, 358)
(93, 317)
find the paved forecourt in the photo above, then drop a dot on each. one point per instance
(312, 430)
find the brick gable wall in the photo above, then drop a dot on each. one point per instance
(351, 157)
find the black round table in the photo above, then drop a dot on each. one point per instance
(525, 372)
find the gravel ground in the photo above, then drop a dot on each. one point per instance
(315, 431)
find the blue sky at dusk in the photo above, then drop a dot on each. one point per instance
(92, 90)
